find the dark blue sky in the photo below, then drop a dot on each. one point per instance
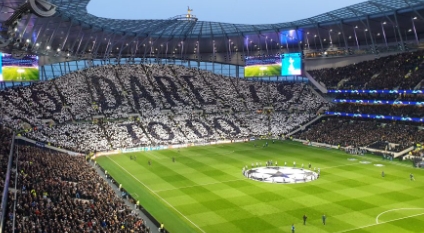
(228, 11)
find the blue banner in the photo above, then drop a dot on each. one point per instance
(380, 117)
(378, 91)
(391, 102)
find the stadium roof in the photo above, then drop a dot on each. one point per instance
(66, 31)
(77, 10)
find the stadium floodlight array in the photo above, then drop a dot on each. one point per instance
(378, 91)
(379, 117)
(389, 102)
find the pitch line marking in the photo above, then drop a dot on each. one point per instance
(367, 157)
(375, 224)
(157, 195)
(342, 165)
(376, 219)
(219, 182)
(197, 185)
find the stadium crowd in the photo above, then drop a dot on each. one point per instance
(5, 141)
(366, 96)
(380, 109)
(358, 133)
(110, 107)
(62, 193)
(117, 106)
(396, 72)
(400, 71)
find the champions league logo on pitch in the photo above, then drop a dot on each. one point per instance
(281, 175)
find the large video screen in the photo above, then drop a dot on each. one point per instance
(24, 69)
(262, 66)
(291, 64)
(291, 37)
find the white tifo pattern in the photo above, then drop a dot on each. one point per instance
(171, 104)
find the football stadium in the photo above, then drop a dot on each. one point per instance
(189, 125)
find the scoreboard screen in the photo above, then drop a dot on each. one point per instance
(262, 66)
(291, 64)
(24, 69)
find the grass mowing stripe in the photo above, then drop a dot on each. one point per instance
(342, 165)
(191, 186)
(376, 219)
(359, 156)
(375, 224)
(194, 224)
(176, 179)
(200, 185)
(148, 200)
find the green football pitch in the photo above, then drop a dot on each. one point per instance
(25, 74)
(204, 190)
(255, 71)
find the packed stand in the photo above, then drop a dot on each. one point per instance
(282, 124)
(357, 133)
(367, 96)
(125, 134)
(77, 137)
(411, 97)
(380, 109)
(62, 193)
(5, 142)
(400, 71)
(172, 105)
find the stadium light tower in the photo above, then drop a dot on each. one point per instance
(384, 33)
(356, 37)
(415, 30)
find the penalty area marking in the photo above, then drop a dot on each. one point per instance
(156, 194)
(380, 223)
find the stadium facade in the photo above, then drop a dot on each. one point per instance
(67, 38)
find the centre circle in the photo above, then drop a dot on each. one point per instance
(281, 175)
